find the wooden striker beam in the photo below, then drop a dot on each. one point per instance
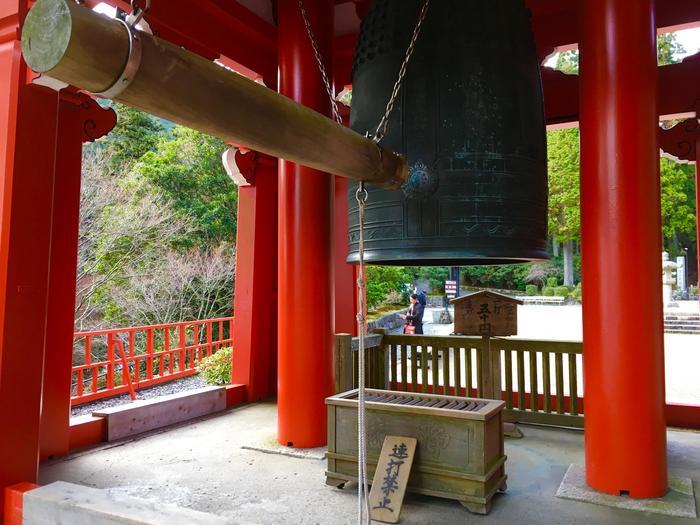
(75, 45)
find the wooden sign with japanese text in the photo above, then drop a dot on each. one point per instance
(391, 478)
(486, 313)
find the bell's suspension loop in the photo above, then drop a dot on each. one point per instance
(133, 62)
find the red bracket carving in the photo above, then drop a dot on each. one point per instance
(681, 140)
(97, 120)
(246, 164)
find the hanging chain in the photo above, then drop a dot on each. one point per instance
(363, 507)
(137, 12)
(381, 128)
(362, 489)
(319, 61)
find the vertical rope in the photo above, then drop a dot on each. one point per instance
(362, 490)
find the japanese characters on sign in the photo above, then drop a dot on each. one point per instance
(486, 313)
(451, 289)
(391, 478)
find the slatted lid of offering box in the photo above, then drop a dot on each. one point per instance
(463, 407)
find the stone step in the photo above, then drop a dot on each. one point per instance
(62, 502)
(142, 416)
(681, 331)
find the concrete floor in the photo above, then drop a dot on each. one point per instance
(202, 465)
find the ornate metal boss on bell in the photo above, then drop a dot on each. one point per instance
(469, 119)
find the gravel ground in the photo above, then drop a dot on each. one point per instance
(172, 387)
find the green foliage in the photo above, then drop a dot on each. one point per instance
(539, 272)
(187, 169)
(531, 290)
(563, 175)
(435, 275)
(677, 199)
(134, 135)
(216, 369)
(548, 291)
(561, 291)
(552, 281)
(577, 293)
(157, 226)
(567, 62)
(505, 276)
(667, 49)
(381, 280)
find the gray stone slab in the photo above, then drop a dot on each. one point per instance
(142, 416)
(679, 501)
(63, 503)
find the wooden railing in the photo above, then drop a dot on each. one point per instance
(151, 355)
(538, 379)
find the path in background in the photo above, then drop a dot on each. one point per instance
(564, 323)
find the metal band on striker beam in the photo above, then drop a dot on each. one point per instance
(131, 67)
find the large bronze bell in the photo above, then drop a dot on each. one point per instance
(470, 121)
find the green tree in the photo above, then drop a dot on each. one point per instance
(135, 134)
(677, 202)
(564, 195)
(383, 280)
(567, 62)
(186, 168)
(668, 48)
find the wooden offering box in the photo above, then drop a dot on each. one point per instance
(460, 442)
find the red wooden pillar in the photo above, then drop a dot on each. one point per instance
(305, 375)
(625, 430)
(345, 278)
(80, 119)
(28, 122)
(255, 298)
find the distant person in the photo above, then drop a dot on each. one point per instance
(414, 316)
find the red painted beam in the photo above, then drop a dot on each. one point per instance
(678, 91)
(555, 22)
(215, 27)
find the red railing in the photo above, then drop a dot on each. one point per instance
(151, 354)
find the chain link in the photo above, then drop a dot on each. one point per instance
(361, 195)
(137, 12)
(381, 128)
(319, 61)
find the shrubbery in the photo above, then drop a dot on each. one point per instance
(505, 277)
(561, 291)
(576, 293)
(548, 291)
(531, 290)
(552, 282)
(216, 369)
(385, 280)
